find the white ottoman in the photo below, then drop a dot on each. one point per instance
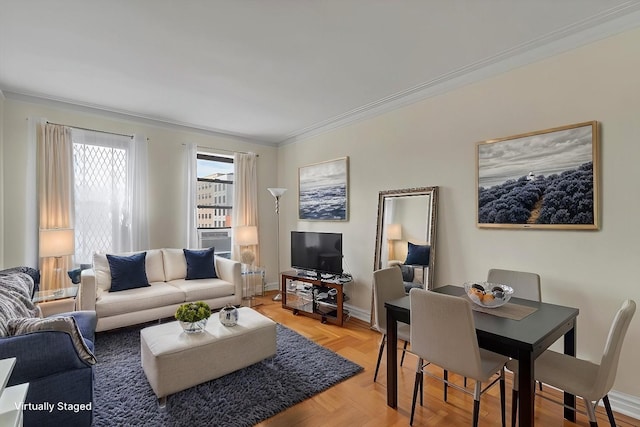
(173, 360)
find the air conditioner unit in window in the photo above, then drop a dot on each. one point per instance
(218, 239)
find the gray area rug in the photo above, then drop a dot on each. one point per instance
(299, 370)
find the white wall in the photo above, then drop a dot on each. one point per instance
(166, 174)
(432, 143)
(2, 180)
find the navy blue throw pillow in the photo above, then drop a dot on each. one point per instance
(418, 254)
(128, 272)
(200, 264)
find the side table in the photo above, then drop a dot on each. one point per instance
(252, 279)
(11, 398)
(56, 301)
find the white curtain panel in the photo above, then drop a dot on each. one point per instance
(245, 198)
(128, 216)
(190, 160)
(55, 196)
(138, 190)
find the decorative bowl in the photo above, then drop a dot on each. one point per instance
(490, 295)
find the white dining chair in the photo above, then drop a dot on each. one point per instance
(589, 380)
(387, 286)
(525, 285)
(447, 338)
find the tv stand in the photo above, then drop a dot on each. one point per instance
(315, 297)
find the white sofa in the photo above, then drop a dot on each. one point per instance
(166, 270)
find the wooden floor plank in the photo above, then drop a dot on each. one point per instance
(359, 401)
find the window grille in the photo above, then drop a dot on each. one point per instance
(215, 202)
(100, 175)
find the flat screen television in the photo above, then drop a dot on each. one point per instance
(316, 252)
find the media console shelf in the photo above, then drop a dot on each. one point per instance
(321, 299)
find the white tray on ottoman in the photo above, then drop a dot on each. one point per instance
(173, 360)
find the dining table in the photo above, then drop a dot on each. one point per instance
(523, 339)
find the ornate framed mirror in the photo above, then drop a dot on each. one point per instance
(406, 234)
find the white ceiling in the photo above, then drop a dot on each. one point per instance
(273, 71)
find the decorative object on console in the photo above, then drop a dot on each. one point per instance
(246, 235)
(193, 316)
(277, 193)
(323, 190)
(56, 243)
(543, 179)
(229, 315)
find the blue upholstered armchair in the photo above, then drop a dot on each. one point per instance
(57, 374)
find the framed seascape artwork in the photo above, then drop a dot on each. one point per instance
(323, 190)
(543, 179)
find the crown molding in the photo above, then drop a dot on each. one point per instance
(127, 116)
(609, 23)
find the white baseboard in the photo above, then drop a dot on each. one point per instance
(357, 313)
(272, 286)
(625, 404)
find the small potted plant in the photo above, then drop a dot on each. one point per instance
(193, 316)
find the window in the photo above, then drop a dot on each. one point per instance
(100, 179)
(215, 202)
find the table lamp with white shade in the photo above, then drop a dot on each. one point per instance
(56, 243)
(246, 235)
(394, 233)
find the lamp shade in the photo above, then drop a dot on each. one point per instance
(246, 235)
(277, 192)
(56, 242)
(394, 231)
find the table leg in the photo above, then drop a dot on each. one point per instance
(526, 388)
(570, 349)
(392, 360)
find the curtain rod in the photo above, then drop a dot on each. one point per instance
(222, 149)
(91, 130)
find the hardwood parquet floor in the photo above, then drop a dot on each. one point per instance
(359, 401)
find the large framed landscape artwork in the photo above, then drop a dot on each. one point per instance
(323, 190)
(543, 179)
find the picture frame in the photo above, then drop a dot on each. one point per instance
(323, 191)
(547, 179)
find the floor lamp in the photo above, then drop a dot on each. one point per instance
(277, 193)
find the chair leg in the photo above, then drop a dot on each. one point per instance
(476, 403)
(591, 412)
(514, 407)
(502, 397)
(404, 350)
(607, 406)
(416, 386)
(446, 378)
(384, 340)
(421, 390)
